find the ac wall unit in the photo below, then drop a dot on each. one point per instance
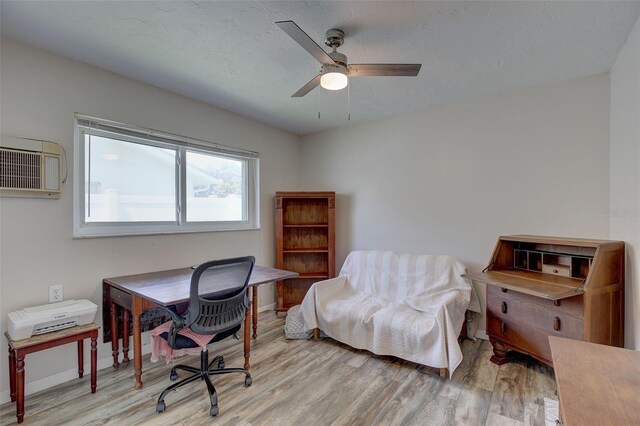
(29, 168)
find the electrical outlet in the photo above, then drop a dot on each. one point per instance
(55, 293)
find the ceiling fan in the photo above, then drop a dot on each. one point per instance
(335, 71)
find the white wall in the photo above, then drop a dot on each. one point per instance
(625, 173)
(450, 180)
(40, 93)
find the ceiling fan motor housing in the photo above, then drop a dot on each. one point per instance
(338, 58)
(334, 38)
(339, 68)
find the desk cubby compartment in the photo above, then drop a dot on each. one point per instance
(558, 263)
(521, 259)
(580, 266)
(526, 259)
(535, 261)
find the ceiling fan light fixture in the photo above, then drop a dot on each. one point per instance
(334, 81)
(333, 77)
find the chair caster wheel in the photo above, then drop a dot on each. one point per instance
(213, 411)
(221, 364)
(160, 407)
(174, 376)
(247, 381)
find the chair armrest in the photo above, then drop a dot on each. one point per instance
(178, 324)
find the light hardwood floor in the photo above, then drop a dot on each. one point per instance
(307, 383)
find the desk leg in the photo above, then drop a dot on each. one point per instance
(114, 334)
(94, 362)
(12, 374)
(254, 312)
(80, 358)
(20, 386)
(125, 336)
(136, 304)
(247, 336)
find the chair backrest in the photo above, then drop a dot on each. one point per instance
(218, 296)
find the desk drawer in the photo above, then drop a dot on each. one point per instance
(561, 270)
(535, 315)
(528, 339)
(120, 297)
(124, 299)
(570, 306)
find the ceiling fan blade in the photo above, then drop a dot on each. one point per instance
(307, 43)
(391, 70)
(315, 81)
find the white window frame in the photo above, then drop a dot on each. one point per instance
(129, 133)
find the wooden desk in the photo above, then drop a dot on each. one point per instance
(551, 286)
(597, 384)
(137, 293)
(18, 349)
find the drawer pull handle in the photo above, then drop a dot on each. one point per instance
(503, 308)
(555, 271)
(556, 323)
(504, 290)
(503, 327)
(557, 302)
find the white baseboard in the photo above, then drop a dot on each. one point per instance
(65, 376)
(482, 334)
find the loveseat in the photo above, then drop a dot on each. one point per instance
(402, 305)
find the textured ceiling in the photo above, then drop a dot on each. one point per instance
(230, 54)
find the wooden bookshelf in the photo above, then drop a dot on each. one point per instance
(548, 286)
(305, 242)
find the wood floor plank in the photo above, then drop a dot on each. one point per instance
(405, 404)
(494, 419)
(452, 388)
(533, 414)
(508, 394)
(305, 382)
(435, 411)
(540, 382)
(366, 406)
(483, 373)
(472, 409)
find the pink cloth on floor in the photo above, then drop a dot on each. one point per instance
(160, 347)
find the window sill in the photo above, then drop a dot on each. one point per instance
(90, 232)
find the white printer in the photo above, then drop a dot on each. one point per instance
(34, 320)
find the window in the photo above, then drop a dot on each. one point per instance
(133, 181)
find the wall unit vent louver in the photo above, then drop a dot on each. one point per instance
(29, 168)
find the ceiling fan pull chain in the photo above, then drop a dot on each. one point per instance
(319, 90)
(348, 102)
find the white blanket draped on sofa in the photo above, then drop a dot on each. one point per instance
(403, 305)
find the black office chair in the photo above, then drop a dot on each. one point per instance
(217, 304)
